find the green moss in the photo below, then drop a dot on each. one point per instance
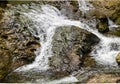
(3, 73)
(102, 27)
(16, 2)
(1, 13)
(115, 33)
(118, 21)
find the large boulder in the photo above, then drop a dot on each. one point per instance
(70, 45)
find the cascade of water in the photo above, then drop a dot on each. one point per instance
(112, 24)
(84, 6)
(105, 52)
(47, 19)
(108, 48)
(44, 20)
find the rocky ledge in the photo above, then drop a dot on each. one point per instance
(71, 46)
(17, 44)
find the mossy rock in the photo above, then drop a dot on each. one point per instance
(102, 28)
(5, 62)
(89, 61)
(102, 25)
(118, 21)
(3, 74)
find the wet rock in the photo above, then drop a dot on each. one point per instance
(118, 59)
(102, 24)
(109, 8)
(34, 76)
(89, 61)
(70, 45)
(33, 43)
(17, 44)
(116, 15)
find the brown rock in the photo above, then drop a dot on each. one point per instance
(118, 58)
(17, 44)
(104, 78)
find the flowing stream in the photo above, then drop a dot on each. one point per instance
(48, 18)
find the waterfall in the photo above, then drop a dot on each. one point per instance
(44, 20)
(106, 51)
(47, 19)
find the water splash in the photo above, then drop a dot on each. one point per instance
(85, 6)
(112, 24)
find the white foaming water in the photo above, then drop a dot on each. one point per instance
(84, 6)
(112, 24)
(106, 51)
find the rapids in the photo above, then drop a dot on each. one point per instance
(47, 18)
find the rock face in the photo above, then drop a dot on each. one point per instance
(118, 58)
(17, 44)
(70, 45)
(109, 8)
